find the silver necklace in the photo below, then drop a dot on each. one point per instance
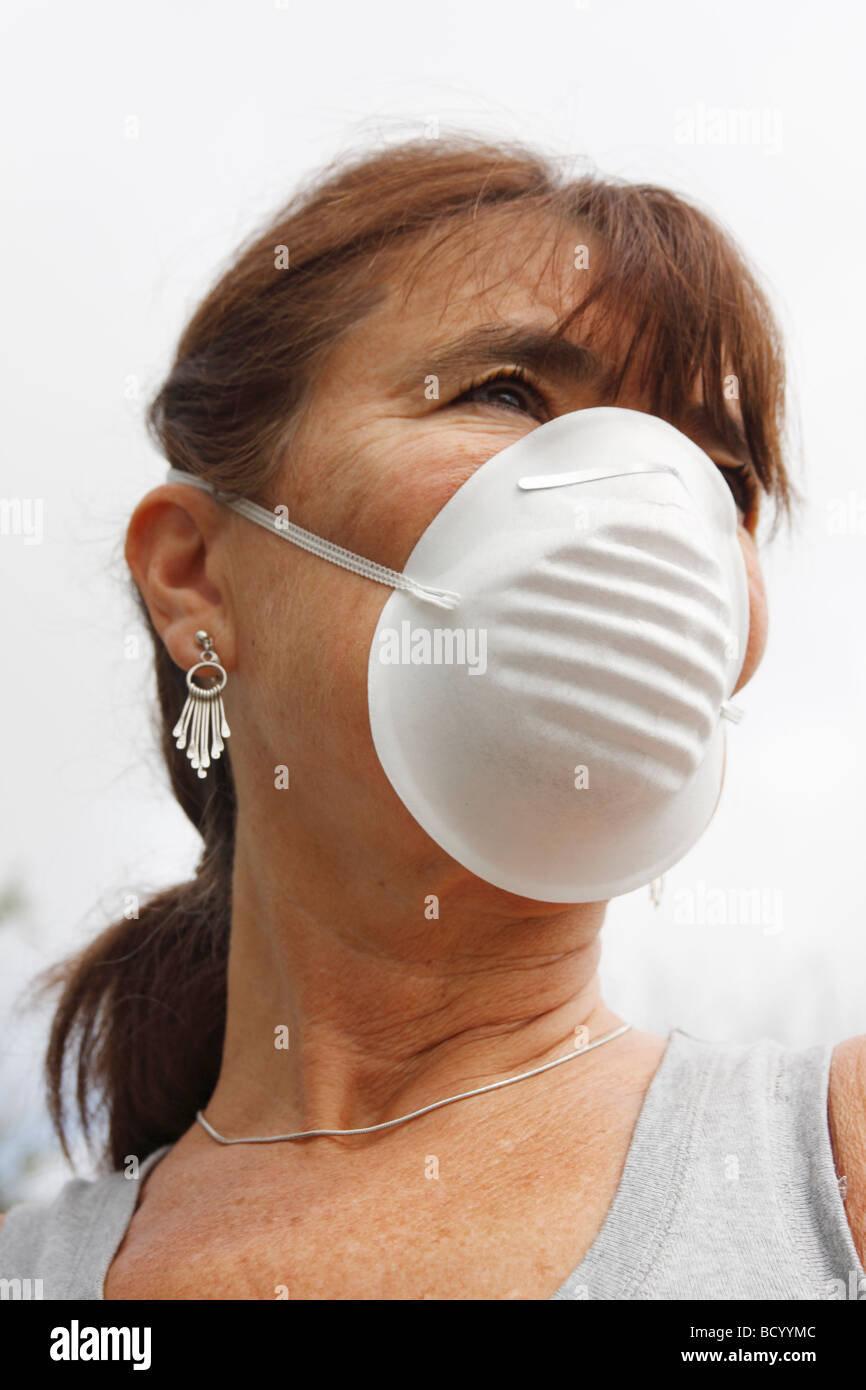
(387, 1124)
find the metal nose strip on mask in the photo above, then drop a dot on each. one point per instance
(589, 475)
(317, 545)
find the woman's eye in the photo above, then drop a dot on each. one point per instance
(511, 389)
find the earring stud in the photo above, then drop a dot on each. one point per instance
(202, 727)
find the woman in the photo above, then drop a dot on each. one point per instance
(331, 967)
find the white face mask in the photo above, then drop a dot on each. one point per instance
(557, 730)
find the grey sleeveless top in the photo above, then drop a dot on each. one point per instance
(729, 1191)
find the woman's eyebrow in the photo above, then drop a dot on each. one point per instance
(489, 344)
(486, 345)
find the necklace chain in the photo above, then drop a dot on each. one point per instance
(387, 1124)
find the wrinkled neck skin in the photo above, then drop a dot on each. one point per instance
(385, 1008)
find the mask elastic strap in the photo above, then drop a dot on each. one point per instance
(735, 713)
(316, 545)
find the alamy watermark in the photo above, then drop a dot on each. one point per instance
(853, 1288)
(21, 1289)
(758, 126)
(77, 1343)
(846, 516)
(708, 906)
(22, 516)
(439, 646)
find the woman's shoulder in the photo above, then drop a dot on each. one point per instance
(846, 1109)
(849, 1069)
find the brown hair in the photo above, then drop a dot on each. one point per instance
(141, 1015)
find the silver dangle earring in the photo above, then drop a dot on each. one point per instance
(202, 726)
(656, 889)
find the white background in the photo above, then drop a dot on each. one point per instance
(142, 143)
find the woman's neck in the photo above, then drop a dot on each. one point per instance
(345, 1010)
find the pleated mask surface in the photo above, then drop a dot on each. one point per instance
(563, 735)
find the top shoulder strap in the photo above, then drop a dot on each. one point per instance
(62, 1248)
(729, 1188)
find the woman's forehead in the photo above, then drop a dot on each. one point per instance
(504, 260)
(472, 302)
(506, 288)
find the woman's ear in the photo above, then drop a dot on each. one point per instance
(176, 552)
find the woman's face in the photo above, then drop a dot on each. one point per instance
(391, 429)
